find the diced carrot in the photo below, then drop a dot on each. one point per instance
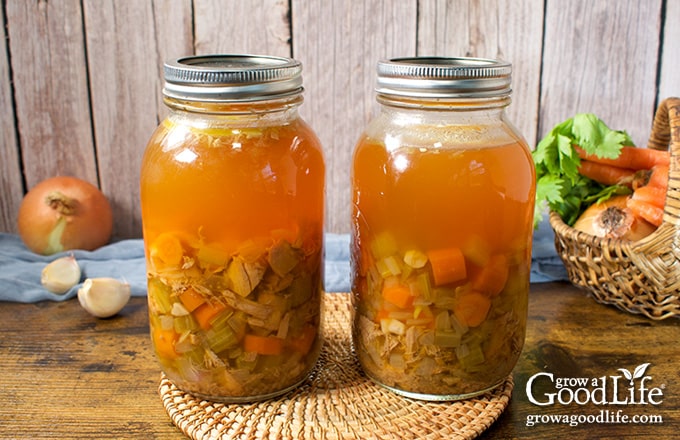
(606, 174)
(267, 345)
(164, 342)
(651, 194)
(397, 294)
(472, 308)
(653, 214)
(631, 158)
(191, 299)
(382, 314)
(206, 312)
(166, 250)
(448, 265)
(492, 277)
(303, 342)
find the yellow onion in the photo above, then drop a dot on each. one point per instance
(612, 218)
(63, 213)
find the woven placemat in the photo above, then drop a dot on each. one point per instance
(337, 401)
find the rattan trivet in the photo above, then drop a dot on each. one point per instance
(337, 401)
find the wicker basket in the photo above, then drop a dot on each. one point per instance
(641, 277)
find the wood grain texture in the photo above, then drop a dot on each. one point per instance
(47, 49)
(67, 374)
(670, 53)
(506, 29)
(87, 75)
(601, 60)
(126, 83)
(339, 44)
(257, 27)
(11, 183)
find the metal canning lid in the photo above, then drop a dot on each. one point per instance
(436, 77)
(232, 77)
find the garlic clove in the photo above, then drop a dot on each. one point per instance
(103, 297)
(61, 275)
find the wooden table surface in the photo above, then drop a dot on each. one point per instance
(65, 374)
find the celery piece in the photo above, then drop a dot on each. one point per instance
(383, 245)
(470, 356)
(444, 297)
(415, 259)
(283, 257)
(159, 296)
(442, 321)
(458, 326)
(185, 323)
(406, 272)
(382, 268)
(446, 338)
(220, 339)
(238, 322)
(421, 287)
(212, 256)
(221, 320)
(393, 265)
(244, 362)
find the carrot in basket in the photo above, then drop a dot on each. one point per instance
(647, 211)
(659, 177)
(448, 265)
(606, 174)
(653, 195)
(631, 158)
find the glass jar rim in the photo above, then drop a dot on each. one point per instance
(444, 77)
(232, 77)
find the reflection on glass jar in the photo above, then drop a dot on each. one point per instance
(232, 193)
(443, 196)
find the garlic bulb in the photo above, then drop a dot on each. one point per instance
(61, 275)
(103, 297)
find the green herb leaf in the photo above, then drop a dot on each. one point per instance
(559, 186)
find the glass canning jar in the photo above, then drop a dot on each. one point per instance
(232, 197)
(442, 207)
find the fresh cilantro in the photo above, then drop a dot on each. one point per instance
(559, 186)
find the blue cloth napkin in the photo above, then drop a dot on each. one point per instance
(20, 268)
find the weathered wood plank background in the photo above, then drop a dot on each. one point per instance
(80, 80)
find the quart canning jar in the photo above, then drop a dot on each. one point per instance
(443, 199)
(232, 197)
